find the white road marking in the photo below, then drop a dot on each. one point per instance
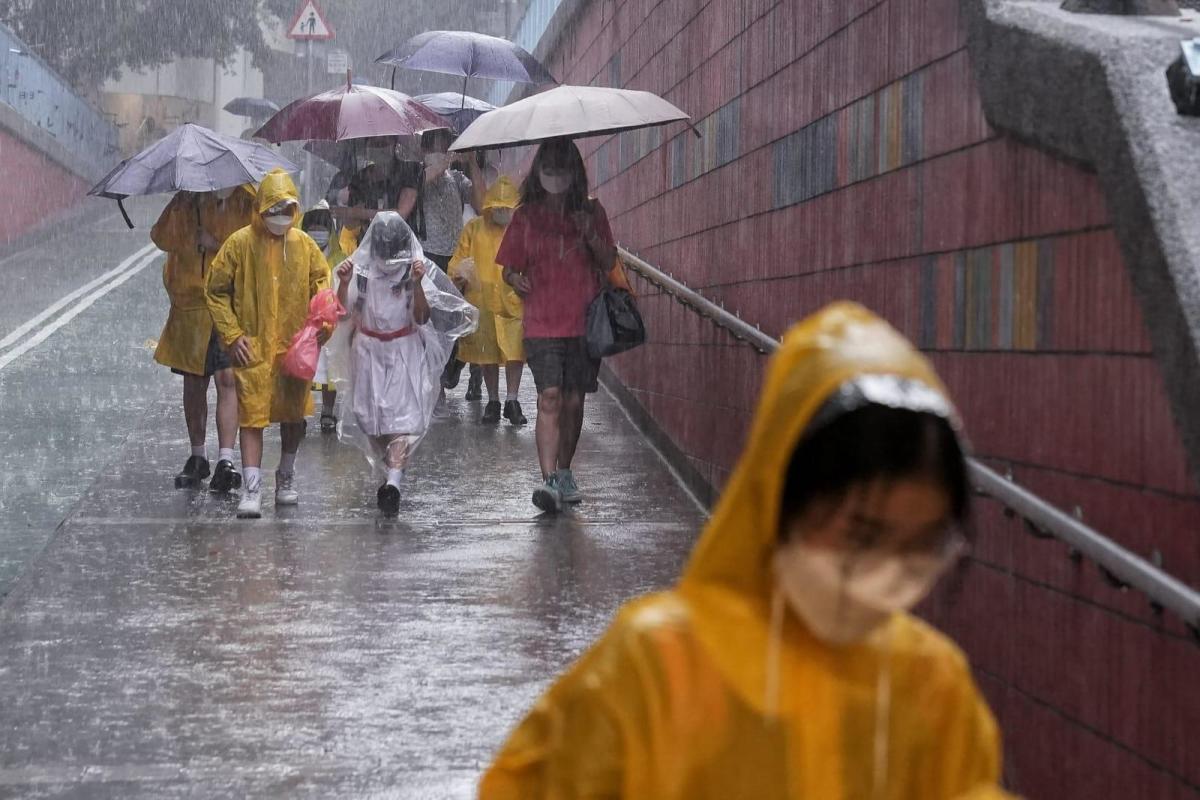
(149, 255)
(82, 290)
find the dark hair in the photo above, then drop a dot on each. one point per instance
(875, 442)
(558, 151)
(316, 218)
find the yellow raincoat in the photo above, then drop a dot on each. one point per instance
(183, 344)
(501, 311)
(676, 699)
(259, 287)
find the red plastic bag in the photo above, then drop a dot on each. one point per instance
(303, 352)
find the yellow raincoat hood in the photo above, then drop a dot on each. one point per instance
(672, 703)
(728, 575)
(501, 194)
(276, 187)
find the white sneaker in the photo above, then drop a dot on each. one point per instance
(251, 505)
(285, 495)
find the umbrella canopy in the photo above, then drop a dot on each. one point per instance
(471, 55)
(191, 158)
(351, 112)
(458, 108)
(255, 107)
(571, 111)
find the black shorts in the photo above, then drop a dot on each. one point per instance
(443, 262)
(215, 360)
(562, 363)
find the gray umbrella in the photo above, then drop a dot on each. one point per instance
(471, 55)
(191, 158)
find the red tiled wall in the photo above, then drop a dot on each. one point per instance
(22, 168)
(846, 155)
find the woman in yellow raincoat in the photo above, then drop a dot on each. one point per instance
(474, 270)
(258, 292)
(784, 664)
(191, 229)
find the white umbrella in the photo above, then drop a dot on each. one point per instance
(571, 111)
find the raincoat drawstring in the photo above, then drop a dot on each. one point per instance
(883, 713)
(774, 641)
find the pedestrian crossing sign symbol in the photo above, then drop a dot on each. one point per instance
(310, 23)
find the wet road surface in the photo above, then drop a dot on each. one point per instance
(159, 648)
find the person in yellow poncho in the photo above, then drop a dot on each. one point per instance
(191, 230)
(784, 664)
(474, 270)
(258, 292)
(318, 222)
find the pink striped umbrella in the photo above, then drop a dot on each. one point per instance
(351, 112)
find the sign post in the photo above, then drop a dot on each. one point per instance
(309, 25)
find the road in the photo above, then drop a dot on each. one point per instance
(153, 646)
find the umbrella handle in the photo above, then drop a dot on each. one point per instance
(124, 213)
(393, 78)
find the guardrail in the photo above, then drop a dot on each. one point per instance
(1120, 567)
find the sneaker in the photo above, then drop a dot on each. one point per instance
(328, 423)
(547, 497)
(388, 500)
(491, 413)
(251, 505)
(475, 384)
(512, 413)
(193, 472)
(225, 478)
(285, 495)
(567, 488)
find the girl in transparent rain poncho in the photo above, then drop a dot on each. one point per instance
(387, 358)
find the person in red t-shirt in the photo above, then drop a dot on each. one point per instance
(556, 253)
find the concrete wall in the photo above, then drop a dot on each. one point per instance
(36, 189)
(846, 155)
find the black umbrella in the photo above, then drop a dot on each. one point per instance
(253, 107)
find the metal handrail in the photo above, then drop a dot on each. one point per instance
(1120, 567)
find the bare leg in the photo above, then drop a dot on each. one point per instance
(547, 432)
(512, 376)
(227, 410)
(491, 379)
(252, 447)
(290, 436)
(195, 408)
(570, 425)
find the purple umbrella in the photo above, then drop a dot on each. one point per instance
(472, 55)
(190, 158)
(458, 108)
(352, 112)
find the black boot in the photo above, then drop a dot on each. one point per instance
(193, 473)
(475, 383)
(225, 478)
(388, 500)
(512, 413)
(491, 413)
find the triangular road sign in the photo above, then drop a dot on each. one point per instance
(310, 23)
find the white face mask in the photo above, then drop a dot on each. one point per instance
(554, 182)
(501, 216)
(843, 596)
(278, 224)
(437, 161)
(320, 237)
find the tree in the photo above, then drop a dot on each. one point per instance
(89, 41)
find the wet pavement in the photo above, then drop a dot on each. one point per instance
(159, 648)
